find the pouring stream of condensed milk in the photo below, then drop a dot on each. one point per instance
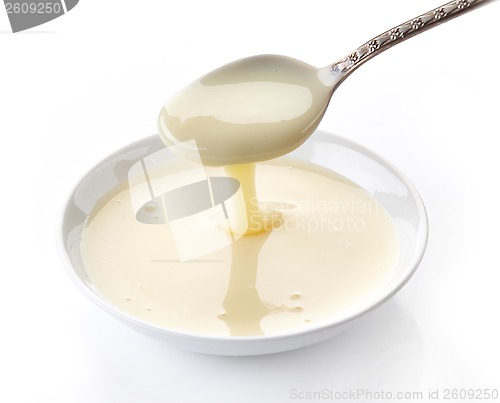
(263, 107)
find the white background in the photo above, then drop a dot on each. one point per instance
(76, 89)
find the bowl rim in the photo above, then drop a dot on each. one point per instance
(420, 248)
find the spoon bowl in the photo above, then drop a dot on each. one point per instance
(261, 107)
(253, 109)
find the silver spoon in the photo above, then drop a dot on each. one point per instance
(265, 106)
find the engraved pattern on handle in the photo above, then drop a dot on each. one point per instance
(400, 33)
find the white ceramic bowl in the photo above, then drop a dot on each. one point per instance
(391, 188)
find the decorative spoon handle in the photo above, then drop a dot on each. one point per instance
(384, 41)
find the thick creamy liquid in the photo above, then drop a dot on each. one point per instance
(251, 110)
(334, 249)
(253, 219)
(247, 111)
